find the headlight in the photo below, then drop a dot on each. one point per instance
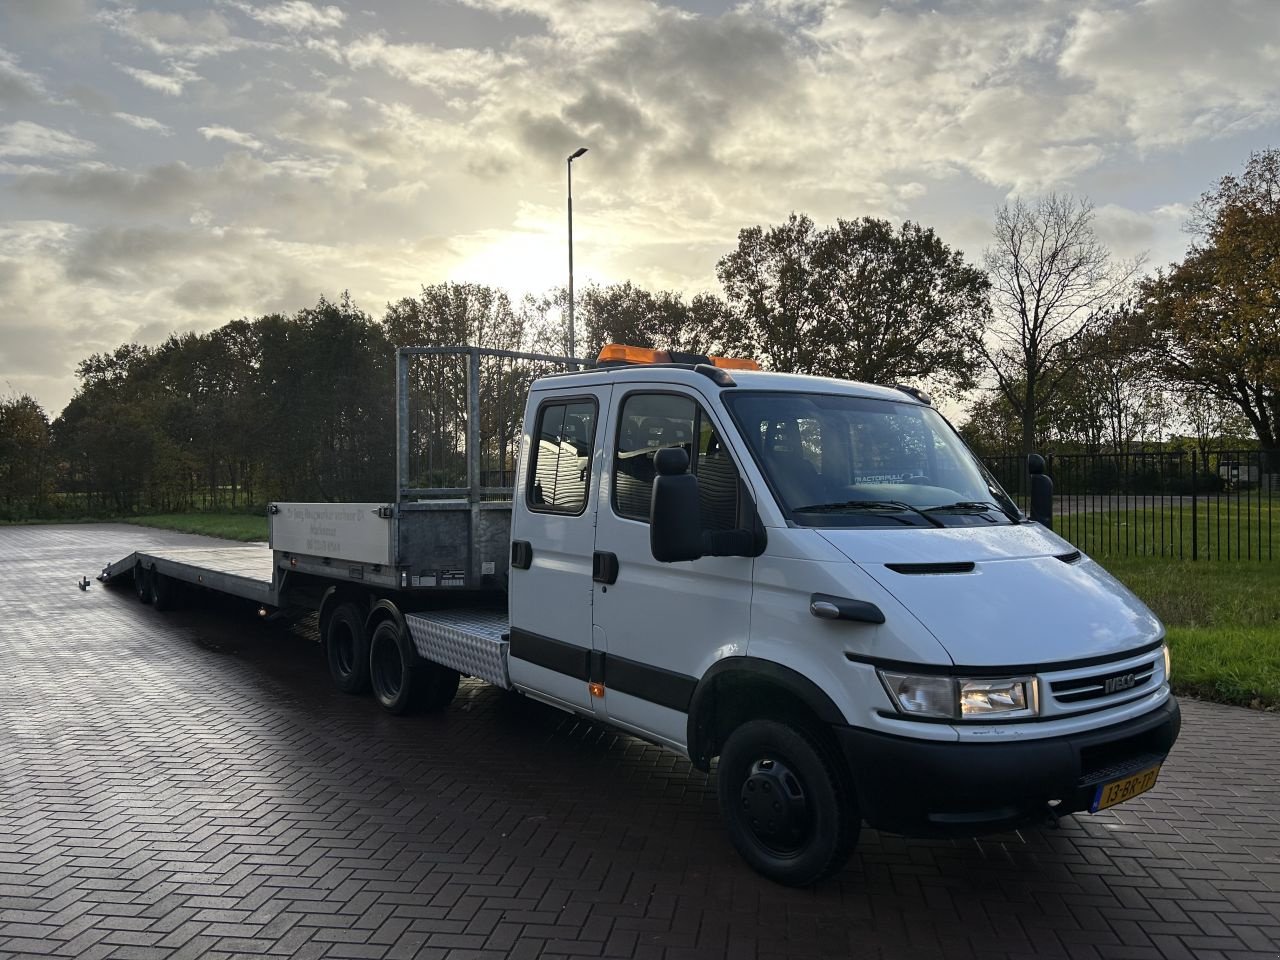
(962, 698)
(1168, 664)
(921, 696)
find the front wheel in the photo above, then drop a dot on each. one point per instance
(788, 806)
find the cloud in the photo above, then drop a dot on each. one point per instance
(245, 140)
(170, 84)
(1176, 71)
(144, 123)
(156, 189)
(425, 64)
(26, 139)
(18, 87)
(297, 16)
(170, 34)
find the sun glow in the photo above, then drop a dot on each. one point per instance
(521, 262)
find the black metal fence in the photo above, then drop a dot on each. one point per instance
(1215, 505)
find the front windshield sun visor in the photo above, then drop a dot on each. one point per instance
(837, 460)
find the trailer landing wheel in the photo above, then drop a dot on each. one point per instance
(786, 802)
(346, 645)
(141, 583)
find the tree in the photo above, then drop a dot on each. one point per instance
(25, 458)
(1052, 284)
(771, 285)
(858, 299)
(625, 313)
(1213, 321)
(902, 305)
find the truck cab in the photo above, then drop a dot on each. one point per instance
(815, 581)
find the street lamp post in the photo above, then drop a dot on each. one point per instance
(569, 168)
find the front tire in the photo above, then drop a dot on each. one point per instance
(786, 802)
(346, 645)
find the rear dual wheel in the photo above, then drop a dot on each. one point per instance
(402, 681)
(346, 644)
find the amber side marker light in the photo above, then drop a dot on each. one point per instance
(597, 689)
(613, 354)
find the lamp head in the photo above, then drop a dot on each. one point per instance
(577, 153)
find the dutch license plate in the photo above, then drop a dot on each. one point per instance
(1126, 788)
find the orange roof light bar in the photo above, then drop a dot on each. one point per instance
(734, 363)
(616, 353)
(621, 353)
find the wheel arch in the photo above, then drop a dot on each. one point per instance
(385, 610)
(736, 689)
(333, 597)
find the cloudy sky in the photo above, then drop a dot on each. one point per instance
(172, 166)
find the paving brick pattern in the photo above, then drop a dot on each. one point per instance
(188, 785)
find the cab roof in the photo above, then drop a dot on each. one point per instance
(690, 375)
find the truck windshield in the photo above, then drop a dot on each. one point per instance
(839, 461)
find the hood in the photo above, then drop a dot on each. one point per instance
(1019, 605)
(945, 545)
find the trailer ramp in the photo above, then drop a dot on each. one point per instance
(243, 570)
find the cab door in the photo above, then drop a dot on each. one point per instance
(553, 536)
(661, 625)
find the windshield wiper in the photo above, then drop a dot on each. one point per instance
(879, 505)
(968, 507)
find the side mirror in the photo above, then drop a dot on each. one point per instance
(675, 521)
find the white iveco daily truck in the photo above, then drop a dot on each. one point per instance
(813, 580)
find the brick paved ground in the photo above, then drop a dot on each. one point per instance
(186, 785)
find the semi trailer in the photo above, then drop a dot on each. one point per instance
(810, 583)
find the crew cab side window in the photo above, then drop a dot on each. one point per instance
(560, 467)
(651, 421)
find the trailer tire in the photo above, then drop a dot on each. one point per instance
(787, 802)
(141, 582)
(392, 668)
(402, 681)
(346, 645)
(438, 686)
(163, 591)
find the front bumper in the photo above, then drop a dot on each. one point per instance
(926, 787)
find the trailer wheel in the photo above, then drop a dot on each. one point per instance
(163, 591)
(402, 681)
(346, 644)
(391, 667)
(437, 686)
(141, 583)
(789, 808)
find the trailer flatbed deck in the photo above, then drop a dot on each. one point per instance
(244, 570)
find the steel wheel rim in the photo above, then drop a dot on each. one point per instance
(344, 647)
(388, 671)
(774, 807)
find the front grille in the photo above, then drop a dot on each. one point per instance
(1104, 683)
